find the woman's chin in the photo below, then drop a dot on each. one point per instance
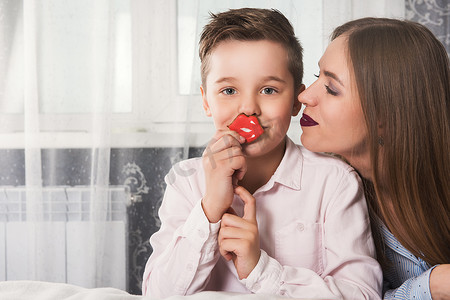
(310, 145)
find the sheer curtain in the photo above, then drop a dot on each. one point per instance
(85, 83)
(58, 61)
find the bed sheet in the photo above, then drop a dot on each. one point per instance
(39, 290)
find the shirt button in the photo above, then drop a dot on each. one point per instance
(189, 267)
(300, 227)
(257, 286)
(201, 233)
(282, 293)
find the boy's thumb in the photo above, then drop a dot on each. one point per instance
(249, 204)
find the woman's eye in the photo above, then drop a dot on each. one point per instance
(268, 91)
(229, 91)
(330, 91)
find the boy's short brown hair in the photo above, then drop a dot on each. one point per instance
(251, 24)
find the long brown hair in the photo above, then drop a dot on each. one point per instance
(402, 77)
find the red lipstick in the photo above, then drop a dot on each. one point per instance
(307, 121)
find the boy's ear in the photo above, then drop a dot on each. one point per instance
(205, 102)
(297, 106)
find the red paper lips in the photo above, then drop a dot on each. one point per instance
(247, 126)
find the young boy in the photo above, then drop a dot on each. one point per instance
(305, 231)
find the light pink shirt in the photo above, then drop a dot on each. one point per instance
(314, 233)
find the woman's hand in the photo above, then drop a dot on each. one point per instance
(440, 282)
(239, 237)
(224, 164)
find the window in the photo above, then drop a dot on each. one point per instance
(129, 68)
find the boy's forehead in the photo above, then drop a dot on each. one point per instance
(229, 51)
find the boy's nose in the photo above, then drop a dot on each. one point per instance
(250, 106)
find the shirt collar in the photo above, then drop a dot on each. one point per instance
(289, 172)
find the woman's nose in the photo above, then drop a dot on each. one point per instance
(308, 97)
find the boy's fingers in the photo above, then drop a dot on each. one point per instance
(232, 157)
(224, 139)
(232, 220)
(225, 253)
(249, 204)
(226, 154)
(225, 142)
(240, 173)
(234, 134)
(233, 233)
(229, 246)
(228, 256)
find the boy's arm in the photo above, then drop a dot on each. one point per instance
(185, 247)
(350, 270)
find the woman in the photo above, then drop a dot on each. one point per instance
(381, 102)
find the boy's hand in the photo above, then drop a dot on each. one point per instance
(239, 237)
(224, 165)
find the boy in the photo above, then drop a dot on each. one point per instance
(307, 234)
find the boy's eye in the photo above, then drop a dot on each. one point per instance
(268, 91)
(229, 91)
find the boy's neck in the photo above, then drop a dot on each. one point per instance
(260, 169)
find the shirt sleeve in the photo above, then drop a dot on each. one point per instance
(413, 288)
(185, 248)
(350, 268)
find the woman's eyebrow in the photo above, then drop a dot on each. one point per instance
(334, 76)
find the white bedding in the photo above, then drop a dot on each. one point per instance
(37, 290)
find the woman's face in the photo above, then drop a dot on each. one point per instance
(333, 120)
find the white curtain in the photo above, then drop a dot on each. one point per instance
(94, 75)
(58, 62)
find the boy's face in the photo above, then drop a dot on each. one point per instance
(251, 77)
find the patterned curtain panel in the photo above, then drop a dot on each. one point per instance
(435, 14)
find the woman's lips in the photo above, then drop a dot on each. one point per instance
(307, 121)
